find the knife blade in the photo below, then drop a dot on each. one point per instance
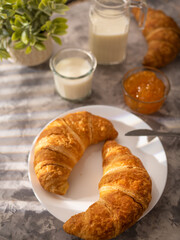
(149, 132)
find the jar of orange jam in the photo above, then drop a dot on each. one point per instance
(145, 89)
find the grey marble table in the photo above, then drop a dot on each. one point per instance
(28, 101)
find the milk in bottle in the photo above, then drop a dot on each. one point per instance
(109, 26)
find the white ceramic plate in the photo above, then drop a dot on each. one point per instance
(84, 179)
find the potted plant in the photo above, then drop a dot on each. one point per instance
(27, 27)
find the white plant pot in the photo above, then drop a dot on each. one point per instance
(34, 58)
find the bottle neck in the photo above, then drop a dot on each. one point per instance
(113, 8)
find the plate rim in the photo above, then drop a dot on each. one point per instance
(89, 108)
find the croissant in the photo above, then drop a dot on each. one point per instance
(63, 142)
(163, 38)
(125, 193)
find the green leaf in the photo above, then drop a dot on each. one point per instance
(59, 31)
(43, 18)
(16, 36)
(3, 15)
(18, 22)
(40, 46)
(57, 40)
(19, 45)
(46, 26)
(19, 3)
(10, 13)
(15, 28)
(60, 8)
(34, 4)
(59, 20)
(43, 6)
(10, 1)
(25, 37)
(20, 10)
(21, 20)
(4, 54)
(41, 37)
(28, 50)
(32, 40)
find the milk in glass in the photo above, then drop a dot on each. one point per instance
(73, 82)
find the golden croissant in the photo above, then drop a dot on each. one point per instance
(125, 193)
(163, 38)
(63, 142)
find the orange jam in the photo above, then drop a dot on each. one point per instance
(144, 92)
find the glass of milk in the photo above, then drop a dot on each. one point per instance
(109, 26)
(73, 70)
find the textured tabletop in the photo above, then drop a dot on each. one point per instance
(28, 101)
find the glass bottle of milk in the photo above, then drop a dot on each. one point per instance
(108, 29)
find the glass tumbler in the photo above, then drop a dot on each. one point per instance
(73, 70)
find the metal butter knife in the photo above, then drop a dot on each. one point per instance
(149, 132)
